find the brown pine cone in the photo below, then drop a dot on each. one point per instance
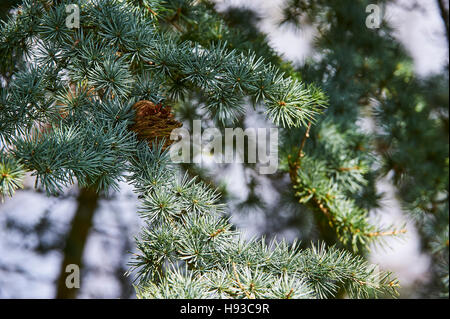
(154, 122)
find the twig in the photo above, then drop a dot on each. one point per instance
(288, 296)
(302, 145)
(217, 232)
(322, 208)
(294, 166)
(240, 284)
(346, 169)
(387, 233)
(152, 12)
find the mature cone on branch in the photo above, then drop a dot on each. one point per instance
(154, 122)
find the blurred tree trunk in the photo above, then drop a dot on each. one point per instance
(444, 14)
(76, 239)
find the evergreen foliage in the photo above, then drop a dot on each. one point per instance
(67, 116)
(185, 224)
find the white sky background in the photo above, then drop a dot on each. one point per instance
(423, 35)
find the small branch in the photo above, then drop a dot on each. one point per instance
(175, 18)
(288, 296)
(387, 233)
(322, 208)
(217, 232)
(175, 25)
(302, 145)
(152, 12)
(240, 284)
(347, 169)
(294, 166)
(393, 284)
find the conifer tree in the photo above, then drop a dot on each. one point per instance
(95, 104)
